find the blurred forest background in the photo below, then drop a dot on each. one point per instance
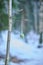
(26, 15)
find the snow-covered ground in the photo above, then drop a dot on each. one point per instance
(21, 49)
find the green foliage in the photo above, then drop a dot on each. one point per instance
(22, 1)
(2, 5)
(3, 13)
(17, 4)
(17, 21)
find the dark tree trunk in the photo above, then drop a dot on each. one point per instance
(40, 40)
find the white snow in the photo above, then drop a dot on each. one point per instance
(22, 50)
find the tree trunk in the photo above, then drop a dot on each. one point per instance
(40, 40)
(35, 15)
(9, 32)
(41, 21)
(22, 20)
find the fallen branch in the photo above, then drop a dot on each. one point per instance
(14, 59)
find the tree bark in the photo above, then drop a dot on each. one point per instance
(9, 32)
(41, 21)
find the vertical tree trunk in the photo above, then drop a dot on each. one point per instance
(40, 40)
(22, 21)
(9, 32)
(41, 21)
(35, 16)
